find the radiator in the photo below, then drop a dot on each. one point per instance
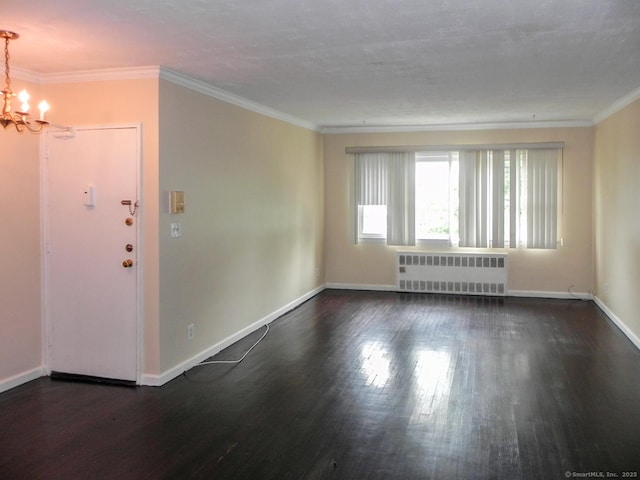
(458, 273)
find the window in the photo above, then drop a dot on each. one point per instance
(372, 221)
(468, 198)
(437, 196)
(386, 180)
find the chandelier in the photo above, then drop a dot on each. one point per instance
(19, 119)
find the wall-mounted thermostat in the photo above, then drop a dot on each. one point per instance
(176, 202)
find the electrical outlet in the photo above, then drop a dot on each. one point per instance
(190, 331)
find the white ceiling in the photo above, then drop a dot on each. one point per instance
(356, 62)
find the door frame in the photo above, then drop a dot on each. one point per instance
(45, 239)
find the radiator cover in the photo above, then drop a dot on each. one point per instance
(457, 273)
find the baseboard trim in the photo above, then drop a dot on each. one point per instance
(618, 322)
(544, 294)
(21, 378)
(358, 286)
(510, 293)
(167, 376)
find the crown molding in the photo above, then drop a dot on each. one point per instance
(105, 75)
(628, 99)
(26, 75)
(207, 89)
(457, 127)
(134, 73)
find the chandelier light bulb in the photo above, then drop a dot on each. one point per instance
(43, 106)
(24, 97)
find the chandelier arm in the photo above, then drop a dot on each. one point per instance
(39, 128)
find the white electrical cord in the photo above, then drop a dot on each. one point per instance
(573, 295)
(246, 353)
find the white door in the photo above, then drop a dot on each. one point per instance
(91, 251)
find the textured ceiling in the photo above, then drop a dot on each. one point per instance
(356, 62)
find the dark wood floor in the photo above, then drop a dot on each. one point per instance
(359, 385)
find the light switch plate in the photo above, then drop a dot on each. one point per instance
(176, 230)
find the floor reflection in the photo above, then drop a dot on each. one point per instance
(375, 364)
(433, 376)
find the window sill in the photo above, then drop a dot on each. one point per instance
(433, 242)
(372, 240)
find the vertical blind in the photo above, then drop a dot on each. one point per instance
(532, 194)
(542, 198)
(401, 216)
(482, 202)
(475, 199)
(371, 178)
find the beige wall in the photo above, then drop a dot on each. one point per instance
(617, 214)
(529, 270)
(253, 224)
(20, 252)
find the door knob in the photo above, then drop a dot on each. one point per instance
(127, 263)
